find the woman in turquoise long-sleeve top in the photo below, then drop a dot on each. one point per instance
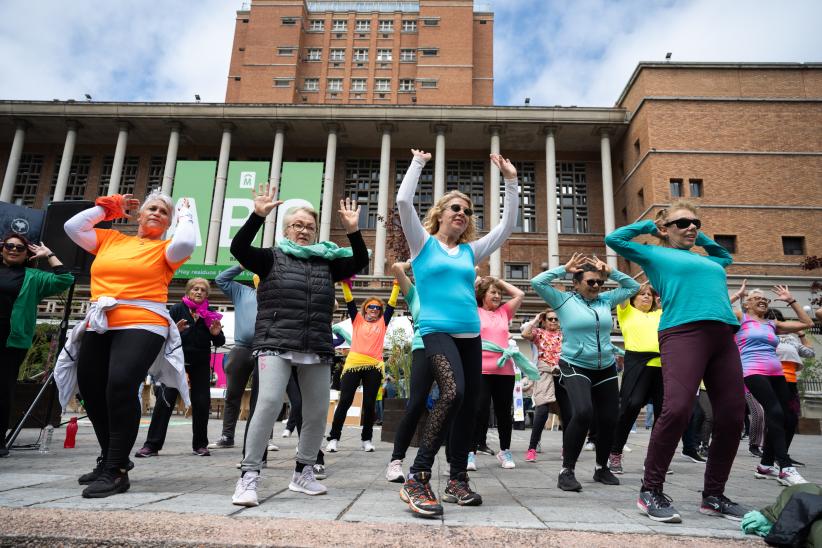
(696, 342)
(587, 364)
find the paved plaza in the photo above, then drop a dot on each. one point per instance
(39, 495)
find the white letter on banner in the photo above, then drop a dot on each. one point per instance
(192, 205)
(230, 220)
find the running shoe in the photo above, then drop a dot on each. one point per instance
(605, 477)
(723, 507)
(272, 447)
(766, 472)
(111, 482)
(459, 491)
(789, 476)
(319, 471)
(89, 478)
(615, 463)
(305, 482)
(286, 433)
(755, 451)
(657, 506)
(531, 455)
(245, 492)
(145, 452)
(394, 472)
(485, 450)
(416, 491)
(222, 443)
(201, 452)
(506, 460)
(693, 456)
(567, 481)
(331, 446)
(472, 462)
(367, 446)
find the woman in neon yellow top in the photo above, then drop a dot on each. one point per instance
(642, 377)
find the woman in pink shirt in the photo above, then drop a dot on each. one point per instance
(497, 380)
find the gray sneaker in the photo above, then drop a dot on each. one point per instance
(245, 493)
(723, 507)
(657, 506)
(305, 482)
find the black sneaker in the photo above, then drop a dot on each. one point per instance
(459, 491)
(201, 452)
(657, 506)
(723, 507)
(693, 456)
(755, 451)
(605, 476)
(567, 481)
(222, 443)
(485, 450)
(416, 491)
(88, 479)
(110, 482)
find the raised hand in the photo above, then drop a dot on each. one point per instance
(215, 328)
(39, 250)
(600, 265)
(421, 154)
(350, 215)
(182, 325)
(575, 263)
(264, 202)
(130, 205)
(782, 293)
(505, 166)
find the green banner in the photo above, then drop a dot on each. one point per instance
(301, 183)
(208, 271)
(195, 180)
(243, 177)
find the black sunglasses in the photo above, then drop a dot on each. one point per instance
(14, 247)
(555, 319)
(456, 208)
(684, 223)
(373, 307)
(592, 283)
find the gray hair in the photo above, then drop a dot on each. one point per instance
(157, 195)
(751, 293)
(305, 209)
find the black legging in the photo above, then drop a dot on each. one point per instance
(110, 368)
(500, 390)
(422, 379)
(593, 395)
(371, 379)
(198, 368)
(239, 367)
(10, 368)
(457, 367)
(772, 393)
(640, 382)
(795, 406)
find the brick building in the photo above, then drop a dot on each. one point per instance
(428, 52)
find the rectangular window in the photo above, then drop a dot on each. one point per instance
(572, 201)
(335, 84)
(363, 25)
(407, 85)
(695, 188)
(382, 85)
(517, 271)
(431, 22)
(128, 178)
(468, 176)
(289, 21)
(409, 25)
(726, 241)
(362, 181)
(314, 54)
(386, 25)
(429, 52)
(358, 84)
(77, 179)
(28, 177)
(282, 82)
(527, 216)
(384, 55)
(311, 84)
(408, 55)
(316, 25)
(286, 51)
(339, 25)
(424, 198)
(428, 84)
(360, 55)
(337, 55)
(793, 245)
(156, 167)
(676, 188)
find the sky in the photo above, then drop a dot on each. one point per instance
(557, 52)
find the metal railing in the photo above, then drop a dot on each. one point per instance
(809, 386)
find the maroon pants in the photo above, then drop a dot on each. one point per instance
(703, 350)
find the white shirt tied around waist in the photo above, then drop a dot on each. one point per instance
(168, 368)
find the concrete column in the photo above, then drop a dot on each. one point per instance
(551, 175)
(16, 153)
(492, 214)
(119, 158)
(327, 210)
(274, 180)
(171, 158)
(439, 163)
(607, 192)
(215, 220)
(382, 200)
(65, 162)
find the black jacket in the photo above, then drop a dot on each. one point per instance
(197, 339)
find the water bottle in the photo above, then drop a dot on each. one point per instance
(45, 442)
(71, 433)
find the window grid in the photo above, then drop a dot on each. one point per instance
(407, 85)
(315, 54)
(572, 201)
(335, 84)
(156, 168)
(468, 176)
(317, 25)
(339, 25)
(384, 55)
(28, 177)
(362, 181)
(360, 55)
(359, 84)
(517, 271)
(311, 84)
(386, 25)
(382, 85)
(424, 198)
(409, 25)
(408, 55)
(363, 25)
(337, 55)
(77, 179)
(527, 189)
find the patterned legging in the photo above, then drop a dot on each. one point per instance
(756, 435)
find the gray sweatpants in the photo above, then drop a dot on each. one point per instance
(315, 386)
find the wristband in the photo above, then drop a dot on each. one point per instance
(791, 303)
(50, 255)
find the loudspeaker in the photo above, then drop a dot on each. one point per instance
(74, 257)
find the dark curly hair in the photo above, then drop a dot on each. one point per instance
(26, 241)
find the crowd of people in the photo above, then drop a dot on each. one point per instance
(687, 352)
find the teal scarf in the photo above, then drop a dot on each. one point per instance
(324, 250)
(339, 331)
(509, 353)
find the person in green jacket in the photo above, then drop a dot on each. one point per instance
(21, 289)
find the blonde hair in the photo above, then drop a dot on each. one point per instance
(432, 218)
(195, 281)
(662, 214)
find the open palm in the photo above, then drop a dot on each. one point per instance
(264, 202)
(349, 215)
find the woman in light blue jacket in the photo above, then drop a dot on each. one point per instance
(587, 363)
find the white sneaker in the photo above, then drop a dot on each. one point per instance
(272, 447)
(394, 472)
(331, 446)
(766, 472)
(789, 476)
(305, 482)
(286, 433)
(245, 493)
(506, 460)
(626, 449)
(367, 446)
(589, 446)
(472, 462)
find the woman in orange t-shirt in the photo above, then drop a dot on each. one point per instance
(131, 275)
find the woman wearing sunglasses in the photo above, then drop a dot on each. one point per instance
(21, 290)
(587, 361)
(444, 253)
(364, 364)
(696, 342)
(757, 339)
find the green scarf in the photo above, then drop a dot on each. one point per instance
(510, 353)
(324, 250)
